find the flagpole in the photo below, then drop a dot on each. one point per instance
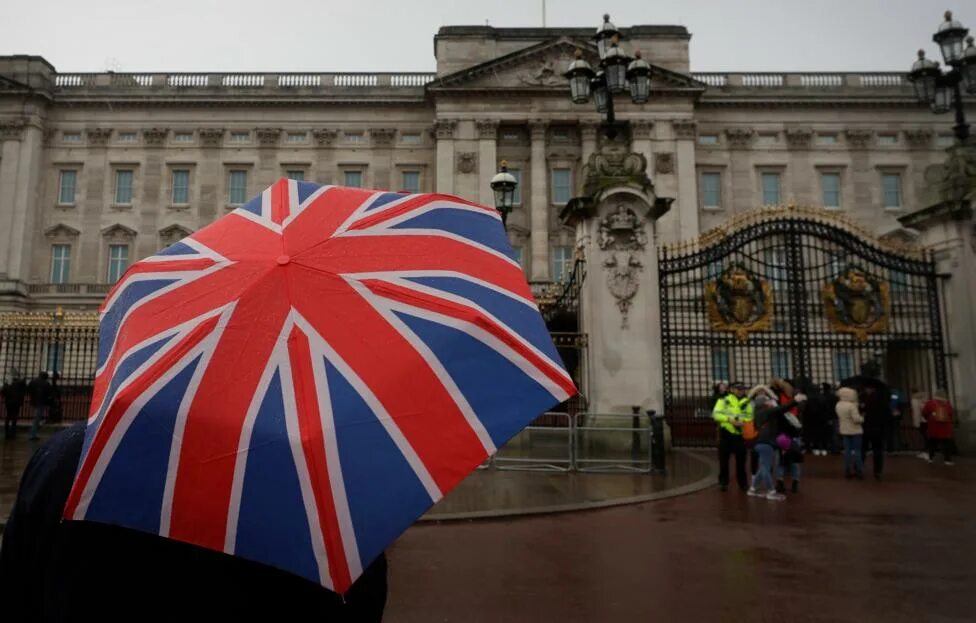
(543, 13)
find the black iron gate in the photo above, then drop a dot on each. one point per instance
(798, 294)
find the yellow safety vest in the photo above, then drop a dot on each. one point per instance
(729, 408)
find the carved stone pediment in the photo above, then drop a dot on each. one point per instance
(118, 233)
(173, 234)
(155, 137)
(61, 232)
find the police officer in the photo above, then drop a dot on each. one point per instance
(731, 413)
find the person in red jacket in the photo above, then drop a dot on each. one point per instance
(939, 418)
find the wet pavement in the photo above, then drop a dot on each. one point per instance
(903, 549)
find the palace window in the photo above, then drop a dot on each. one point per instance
(779, 363)
(843, 366)
(182, 137)
(899, 283)
(771, 189)
(295, 174)
(887, 139)
(411, 138)
(240, 137)
(561, 186)
(776, 268)
(891, 190)
(410, 181)
(708, 139)
(517, 195)
(720, 365)
(60, 263)
(237, 187)
(181, 186)
(826, 139)
(67, 182)
(830, 187)
(562, 262)
(123, 186)
(71, 137)
(352, 179)
(354, 137)
(118, 261)
(711, 192)
(296, 137)
(127, 137)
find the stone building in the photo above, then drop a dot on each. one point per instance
(100, 169)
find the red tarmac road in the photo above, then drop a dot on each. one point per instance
(899, 550)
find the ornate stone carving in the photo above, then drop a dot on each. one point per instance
(268, 137)
(61, 232)
(664, 163)
(615, 164)
(99, 136)
(323, 136)
(445, 128)
(799, 138)
(487, 129)
(740, 302)
(382, 137)
(154, 137)
(623, 238)
(918, 137)
(537, 129)
(684, 129)
(118, 233)
(173, 234)
(11, 130)
(545, 72)
(467, 161)
(857, 138)
(857, 303)
(641, 129)
(740, 138)
(211, 137)
(588, 130)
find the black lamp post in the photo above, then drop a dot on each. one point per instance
(942, 91)
(617, 73)
(503, 185)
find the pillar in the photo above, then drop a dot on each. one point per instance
(445, 131)
(487, 132)
(539, 203)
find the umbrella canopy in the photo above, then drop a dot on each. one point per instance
(299, 381)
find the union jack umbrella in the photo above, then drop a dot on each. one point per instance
(298, 382)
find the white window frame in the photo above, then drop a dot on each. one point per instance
(172, 190)
(778, 175)
(840, 190)
(566, 262)
(74, 187)
(569, 185)
(132, 186)
(726, 373)
(900, 190)
(116, 265)
(403, 179)
(60, 266)
(516, 172)
(230, 186)
(701, 181)
(360, 172)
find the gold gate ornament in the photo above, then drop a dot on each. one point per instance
(857, 303)
(739, 302)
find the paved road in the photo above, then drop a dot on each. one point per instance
(899, 550)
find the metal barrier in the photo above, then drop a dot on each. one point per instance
(613, 442)
(545, 445)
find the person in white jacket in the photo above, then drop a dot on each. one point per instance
(851, 431)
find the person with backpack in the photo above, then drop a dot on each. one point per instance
(851, 432)
(771, 425)
(730, 414)
(939, 415)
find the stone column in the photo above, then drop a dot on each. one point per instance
(11, 136)
(588, 134)
(99, 195)
(445, 131)
(487, 131)
(539, 203)
(383, 177)
(268, 170)
(685, 170)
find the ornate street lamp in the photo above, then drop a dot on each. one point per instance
(503, 185)
(939, 90)
(617, 73)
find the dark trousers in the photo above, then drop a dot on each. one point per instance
(946, 445)
(874, 443)
(729, 445)
(10, 423)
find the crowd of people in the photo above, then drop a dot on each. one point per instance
(42, 391)
(776, 425)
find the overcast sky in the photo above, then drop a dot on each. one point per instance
(397, 35)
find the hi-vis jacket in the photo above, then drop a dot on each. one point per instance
(729, 408)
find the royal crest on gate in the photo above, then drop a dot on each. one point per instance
(739, 301)
(857, 303)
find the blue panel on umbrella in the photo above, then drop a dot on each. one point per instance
(380, 512)
(272, 527)
(480, 228)
(504, 398)
(253, 206)
(178, 248)
(306, 189)
(131, 490)
(523, 319)
(129, 296)
(384, 199)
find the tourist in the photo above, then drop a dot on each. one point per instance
(54, 570)
(818, 419)
(771, 424)
(731, 413)
(40, 391)
(875, 399)
(939, 415)
(783, 390)
(14, 392)
(851, 431)
(919, 398)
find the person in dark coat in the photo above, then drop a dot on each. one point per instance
(40, 392)
(770, 421)
(54, 570)
(818, 419)
(875, 406)
(14, 393)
